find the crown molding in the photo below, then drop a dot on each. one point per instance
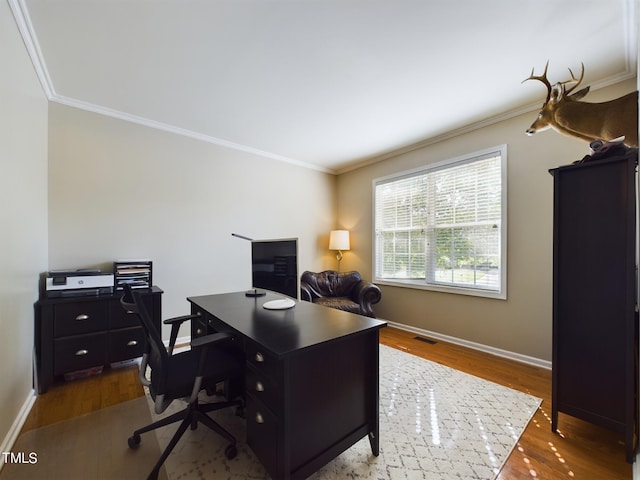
(630, 71)
(23, 21)
(628, 74)
(90, 107)
(25, 27)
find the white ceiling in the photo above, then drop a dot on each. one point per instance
(329, 84)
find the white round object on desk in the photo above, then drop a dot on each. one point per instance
(280, 304)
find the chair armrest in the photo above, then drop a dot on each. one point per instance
(206, 342)
(211, 339)
(183, 318)
(175, 323)
(366, 294)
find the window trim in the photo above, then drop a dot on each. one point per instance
(422, 284)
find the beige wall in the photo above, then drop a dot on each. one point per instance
(522, 323)
(23, 216)
(120, 190)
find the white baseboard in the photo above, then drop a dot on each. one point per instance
(14, 431)
(536, 362)
(183, 343)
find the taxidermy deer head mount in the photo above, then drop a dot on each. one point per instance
(605, 121)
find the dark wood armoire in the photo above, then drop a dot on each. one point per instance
(595, 322)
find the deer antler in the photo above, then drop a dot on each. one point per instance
(573, 79)
(542, 78)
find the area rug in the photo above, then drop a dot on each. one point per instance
(435, 423)
(92, 446)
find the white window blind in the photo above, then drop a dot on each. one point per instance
(444, 226)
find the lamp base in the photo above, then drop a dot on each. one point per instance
(254, 292)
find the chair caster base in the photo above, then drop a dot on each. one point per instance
(134, 441)
(231, 451)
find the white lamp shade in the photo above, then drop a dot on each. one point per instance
(339, 240)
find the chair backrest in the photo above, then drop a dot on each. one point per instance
(156, 355)
(331, 283)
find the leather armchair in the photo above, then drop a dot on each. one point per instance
(344, 291)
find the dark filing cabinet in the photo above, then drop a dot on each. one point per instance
(76, 333)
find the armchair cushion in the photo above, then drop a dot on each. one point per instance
(344, 291)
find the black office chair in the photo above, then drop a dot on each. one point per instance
(184, 375)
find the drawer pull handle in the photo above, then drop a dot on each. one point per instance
(199, 331)
(132, 343)
(82, 352)
(259, 418)
(259, 357)
(259, 387)
(82, 316)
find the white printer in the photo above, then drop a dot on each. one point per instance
(75, 283)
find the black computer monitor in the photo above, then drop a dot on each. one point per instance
(274, 265)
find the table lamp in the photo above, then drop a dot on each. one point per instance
(339, 240)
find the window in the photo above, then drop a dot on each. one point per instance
(443, 227)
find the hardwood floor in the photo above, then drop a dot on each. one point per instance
(65, 400)
(579, 451)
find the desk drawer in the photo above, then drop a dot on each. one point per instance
(262, 388)
(118, 318)
(77, 318)
(126, 343)
(199, 327)
(262, 433)
(79, 352)
(263, 363)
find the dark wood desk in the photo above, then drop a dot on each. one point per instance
(312, 378)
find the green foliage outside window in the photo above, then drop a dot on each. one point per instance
(442, 226)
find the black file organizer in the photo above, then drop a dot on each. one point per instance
(137, 273)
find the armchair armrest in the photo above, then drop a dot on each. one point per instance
(305, 292)
(175, 323)
(366, 294)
